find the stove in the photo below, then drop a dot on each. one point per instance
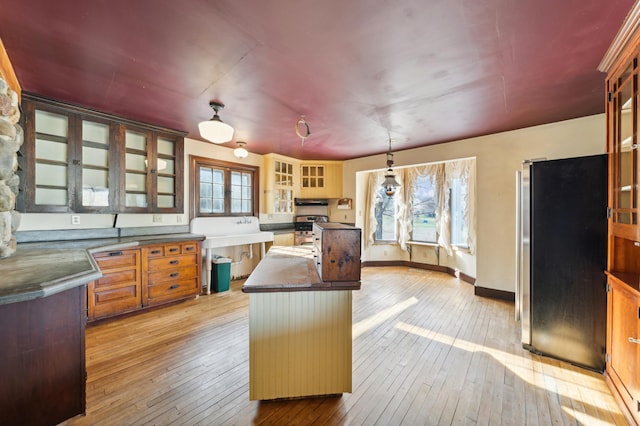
(303, 235)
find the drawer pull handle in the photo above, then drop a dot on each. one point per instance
(115, 253)
(172, 250)
(188, 248)
(155, 251)
(173, 287)
(175, 274)
(632, 340)
(173, 262)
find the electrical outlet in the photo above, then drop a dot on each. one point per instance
(157, 218)
(75, 219)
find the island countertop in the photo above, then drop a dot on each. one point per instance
(45, 268)
(291, 268)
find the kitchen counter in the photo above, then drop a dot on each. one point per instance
(42, 269)
(291, 269)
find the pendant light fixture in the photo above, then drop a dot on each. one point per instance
(241, 151)
(215, 130)
(390, 184)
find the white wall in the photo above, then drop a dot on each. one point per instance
(498, 157)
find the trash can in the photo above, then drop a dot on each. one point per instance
(220, 273)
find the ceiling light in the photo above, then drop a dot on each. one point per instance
(240, 151)
(390, 183)
(215, 130)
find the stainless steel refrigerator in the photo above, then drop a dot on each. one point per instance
(562, 253)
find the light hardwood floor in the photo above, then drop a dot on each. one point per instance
(426, 351)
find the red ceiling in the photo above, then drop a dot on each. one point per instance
(421, 71)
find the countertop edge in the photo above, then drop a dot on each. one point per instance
(46, 254)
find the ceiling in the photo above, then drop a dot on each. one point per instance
(419, 71)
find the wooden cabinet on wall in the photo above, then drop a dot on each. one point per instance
(282, 177)
(139, 278)
(77, 160)
(623, 268)
(321, 179)
(336, 250)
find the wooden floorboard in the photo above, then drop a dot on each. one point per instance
(426, 351)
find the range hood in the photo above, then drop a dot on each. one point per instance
(311, 201)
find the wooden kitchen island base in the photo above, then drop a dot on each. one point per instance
(299, 344)
(299, 328)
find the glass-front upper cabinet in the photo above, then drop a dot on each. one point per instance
(51, 157)
(283, 190)
(624, 127)
(95, 172)
(151, 173)
(75, 160)
(137, 169)
(166, 167)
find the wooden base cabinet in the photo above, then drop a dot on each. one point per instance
(139, 278)
(171, 272)
(623, 312)
(42, 360)
(118, 291)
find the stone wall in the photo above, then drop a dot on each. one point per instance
(11, 137)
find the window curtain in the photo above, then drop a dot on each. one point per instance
(374, 181)
(436, 171)
(466, 171)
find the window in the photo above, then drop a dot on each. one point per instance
(385, 211)
(459, 223)
(424, 209)
(220, 188)
(434, 206)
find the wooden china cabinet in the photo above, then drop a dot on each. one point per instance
(621, 63)
(76, 160)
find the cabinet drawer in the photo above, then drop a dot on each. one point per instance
(115, 301)
(189, 248)
(116, 259)
(172, 262)
(172, 249)
(117, 279)
(177, 273)
(172, 290)
(155, 251)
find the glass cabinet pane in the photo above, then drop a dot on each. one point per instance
(95, 164)
(165, 163)
(625, 156)
(136, 164)
(51, 158)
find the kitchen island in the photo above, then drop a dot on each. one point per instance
(299, 328)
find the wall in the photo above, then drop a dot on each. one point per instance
(498, 157)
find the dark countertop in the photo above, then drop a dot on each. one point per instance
(45, 268)
(291, 268)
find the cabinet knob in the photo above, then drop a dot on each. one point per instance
(115, 253)
(632, 340)
(173, 262)
(155, 251)
(173, 287)
(636, 243)
(175, 274)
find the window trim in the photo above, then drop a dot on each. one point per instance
(195, 162)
